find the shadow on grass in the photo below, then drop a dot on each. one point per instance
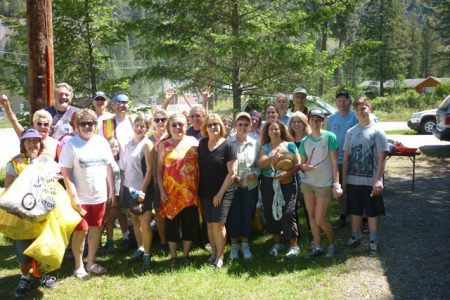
(415, 245)
(8, 283)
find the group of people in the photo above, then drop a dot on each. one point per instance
(189, 167)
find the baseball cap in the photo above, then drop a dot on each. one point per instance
(100, 94)
(30, 133)
(300, 90)
(318, 112)
(343, 93)
(120, 97)
(243, 115)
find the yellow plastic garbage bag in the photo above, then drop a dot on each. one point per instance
(16, 228)
(48, 249)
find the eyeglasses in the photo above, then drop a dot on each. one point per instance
(243, 124)
(211, 125)
(195, 116)
(46, 124)
(160, 120)
(175, 125)
(86, 123)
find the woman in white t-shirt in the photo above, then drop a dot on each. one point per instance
(86, 160)
(134, 180)
(320, 179)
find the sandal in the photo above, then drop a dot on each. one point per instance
(96, 269)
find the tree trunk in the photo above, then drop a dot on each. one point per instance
(236, 72)
(40, 54)
(323, 48)
(92, 71)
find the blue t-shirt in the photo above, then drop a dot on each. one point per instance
(339, 125)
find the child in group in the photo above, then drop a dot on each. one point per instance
(111, 211)
(365, 149)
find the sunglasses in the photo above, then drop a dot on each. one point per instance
(43, 124)
(211, 125)
(99, 99)
(87, 123)
(175, 125)
(160, 120)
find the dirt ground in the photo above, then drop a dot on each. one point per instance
(414, 257)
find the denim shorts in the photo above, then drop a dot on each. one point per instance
(21, 246)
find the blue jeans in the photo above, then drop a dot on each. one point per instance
(242, 212)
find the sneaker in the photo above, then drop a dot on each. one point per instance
(365, 227)
(373, 248)
(165, 249)
(234, 253)
(173, 262)
(246, 251)
(48, 282)
(353, 242)
(276, 248)
(23, 287)
(219, 264)
(187, 260)
(81, 274)
(136, 257)
(317, 251)
(293, 252)
(331, 250)
(147, 265)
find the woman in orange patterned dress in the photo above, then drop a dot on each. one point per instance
(178, 178)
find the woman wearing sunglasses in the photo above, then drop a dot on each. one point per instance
(159, 129)
(178, 176)
(86, 160)
(217, 158)
(42, 120)
(243, 207)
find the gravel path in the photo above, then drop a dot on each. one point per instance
(414, 259)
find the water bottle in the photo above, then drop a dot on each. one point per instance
(134, 193)
(139, 206)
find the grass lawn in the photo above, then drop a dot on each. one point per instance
(263, 277)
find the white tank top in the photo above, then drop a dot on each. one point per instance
(130, 163)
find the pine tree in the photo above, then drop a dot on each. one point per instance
(383, 23)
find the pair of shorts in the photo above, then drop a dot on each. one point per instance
(93, 217)
(308, 189)
(217, 214)
(126, 197)
(21, 246)
(188, 221)
(360, 203)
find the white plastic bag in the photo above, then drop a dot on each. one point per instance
(32, 195)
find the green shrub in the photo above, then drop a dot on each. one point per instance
(442, 90)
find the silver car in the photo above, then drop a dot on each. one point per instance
(442, 128)
(423, 121)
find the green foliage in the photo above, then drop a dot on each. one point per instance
(82, 30)
(383, 22)
(250, 47)
(408, 99)
(14, 57)
(441, 90)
